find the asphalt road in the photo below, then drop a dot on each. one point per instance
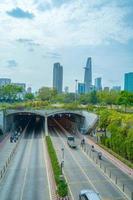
(26, 178)
(81, 172)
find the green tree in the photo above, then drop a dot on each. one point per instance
(123, 99)
(93, 97)
(29, 96)
(47, 94)
(10, 93)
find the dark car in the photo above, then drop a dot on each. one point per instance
(71, 142)
(89, 195)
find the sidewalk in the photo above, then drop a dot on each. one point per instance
(5, 149)
(123, 167)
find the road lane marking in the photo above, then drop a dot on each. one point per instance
(77, 162)
(46, 164)
(83, 171)
(106, 177)
(71, 194)
(101, 172)
(26, 171)
(72, 197)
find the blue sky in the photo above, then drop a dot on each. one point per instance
(37, 33)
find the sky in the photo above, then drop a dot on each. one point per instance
(34, 34)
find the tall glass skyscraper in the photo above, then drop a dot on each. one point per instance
(81, 88)
(128, 82)
(58, 77)
(98, 84)
(88, 75)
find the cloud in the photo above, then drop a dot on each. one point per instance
(19, 13)
(28, 42)
(30, 49)
(11, 64)
(52, 55)
(70, 24)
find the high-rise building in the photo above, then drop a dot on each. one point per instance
(29, 90)
(128, 82)
(66, 89)
(5, 81)
(58, 77)
(81, 88)
(116, 88)
(88, 75)
(106, 89)
(98, 84)
(22, 85)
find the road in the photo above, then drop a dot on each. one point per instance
(26, 178)
(81, 172)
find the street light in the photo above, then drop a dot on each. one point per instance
(76, 81)
(62, 162)
(62, 165)
(62, 149)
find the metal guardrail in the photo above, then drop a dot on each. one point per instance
(109, 174)
(4, 169)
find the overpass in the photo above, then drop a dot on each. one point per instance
(84, 120)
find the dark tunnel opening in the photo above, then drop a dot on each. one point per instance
(69, 121)
(25, 121)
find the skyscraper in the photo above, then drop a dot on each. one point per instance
(58, 77)
(98, 84)
(128, 82)
(5, 81)
(81, 88)
(116, 88)
(88, 75)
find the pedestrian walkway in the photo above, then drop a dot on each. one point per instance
(123, 167)
(5, 149)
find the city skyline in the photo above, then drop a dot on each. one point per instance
(66, 32)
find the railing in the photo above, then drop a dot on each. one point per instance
(4, 169)
(108, 172)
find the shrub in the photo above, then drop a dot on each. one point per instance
(62, 188)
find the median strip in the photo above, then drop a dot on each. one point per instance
(62, 187)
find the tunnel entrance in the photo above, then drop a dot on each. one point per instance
(19, 121)
(69, 121)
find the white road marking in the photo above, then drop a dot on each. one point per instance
(46, 164)
(26, 171)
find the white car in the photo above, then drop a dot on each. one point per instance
(89, 195)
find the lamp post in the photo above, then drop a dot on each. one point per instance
(62, 162)
(62, 149)
(76, 82)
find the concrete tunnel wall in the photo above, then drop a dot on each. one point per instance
(6, 118)
(11, 119)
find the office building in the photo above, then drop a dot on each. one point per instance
(81, 88)
(98, 84)
(58, 77)
(106, 89)
(29, 90)
(23, 85)
(66, 89)
(128, 82)
(5, 81)
(88, 75)
(116, 88)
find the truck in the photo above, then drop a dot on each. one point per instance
(71, 142)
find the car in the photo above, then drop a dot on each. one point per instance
(71, 142)
(87, 194)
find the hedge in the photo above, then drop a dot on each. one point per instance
(128, 163)
(62, 187)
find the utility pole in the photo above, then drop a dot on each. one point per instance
(76, 83)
